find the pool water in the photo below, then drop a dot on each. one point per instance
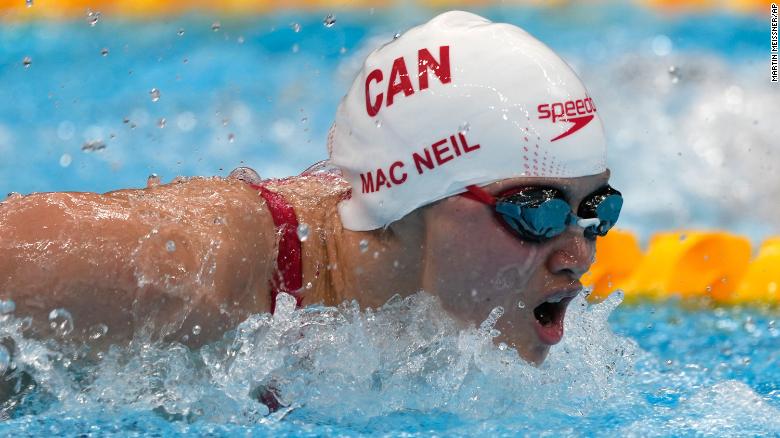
(688, 110)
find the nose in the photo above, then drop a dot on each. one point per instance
(572, 253)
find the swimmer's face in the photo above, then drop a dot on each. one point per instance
(474, 264)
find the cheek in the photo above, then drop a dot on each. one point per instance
(479, 262)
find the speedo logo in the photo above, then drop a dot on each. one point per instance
(577, 112)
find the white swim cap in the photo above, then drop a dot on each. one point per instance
(458, 101)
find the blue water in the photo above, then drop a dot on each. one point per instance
(689, 114)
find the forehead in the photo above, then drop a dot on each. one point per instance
(573, 188)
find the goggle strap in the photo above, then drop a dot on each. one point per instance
(480, 195)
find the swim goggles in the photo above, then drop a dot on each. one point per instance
(540, 213)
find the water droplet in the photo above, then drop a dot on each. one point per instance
(29, 4)
(502, 346)
(683, 237)
(152, 180)
(343, 50)
(295, 48)
(161, 123)
(97, 331)
(245, 174)
(295, 27)
(215, 26)
(155, 94)
(376, 254)
(520, 305)
(185, 338)
(180, 32)
(464, 128)
(104, 51)
(504, 116)
(378, 123)
(303, 232)
(7, 306)
(93, 146)
(396, 36)
(231, 137)
(363, 245)
(708, 289)
(61, 321)
(93, 17)
(196, 330)
(474, 293)
(396, 264)
(329, 20)
(170, 246)
(674, 74)
(5, 360)
(65, 160)
(240, 40)
(26, 62)
(309, 285)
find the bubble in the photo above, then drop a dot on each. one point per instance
(520, 305)
(378, 123)
(683, 237)
(65, 160)
(464, 128)
(180, 32)
(152, 180)
(295, 27)
(161, 123)
(215, 26)
(97, 331)
(295, 48)
(303, 232)
(93, 17)
(502, 346)
(240, 40)
(29, 4)
(396, 36)
(7, 306)
(329, 20)
(104, 51)
(363, 245)
(170, 246)
(61, 321)
(155, 94)
(26, 62)
(474, 293)
(5, 360)
(196, 329)
(93, 146)
(309, 285)
(231, 137)
(343, 50)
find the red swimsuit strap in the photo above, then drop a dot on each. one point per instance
(288, 276)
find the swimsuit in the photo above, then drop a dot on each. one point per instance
(288, 275)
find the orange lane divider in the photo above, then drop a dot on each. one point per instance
(68, 9)
(689, 264)
(762, 280)
(617, 256)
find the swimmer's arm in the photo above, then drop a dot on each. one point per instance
(166, 258)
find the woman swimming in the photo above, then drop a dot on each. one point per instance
(467, 161)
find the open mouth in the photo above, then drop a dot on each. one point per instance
(549, 319)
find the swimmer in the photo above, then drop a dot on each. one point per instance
(467, 160)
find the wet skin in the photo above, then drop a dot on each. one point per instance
(105, 259)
